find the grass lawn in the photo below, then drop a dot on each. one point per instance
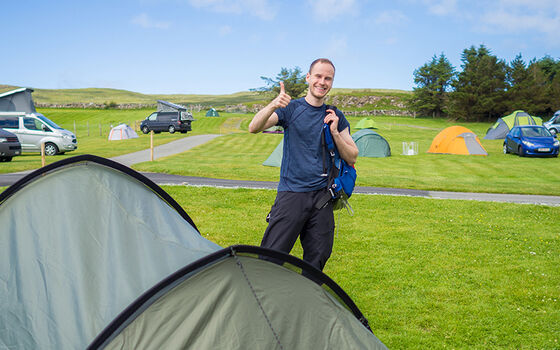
(427, 273)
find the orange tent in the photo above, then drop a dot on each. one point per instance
(457, 140)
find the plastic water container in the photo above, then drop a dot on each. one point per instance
(409, 148)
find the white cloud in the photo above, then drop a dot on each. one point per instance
(441, 7)
(390, 17)
(523, 16)
(258, 8)
(225, 30)
(144, 21)
(336, 47)
(327, 10)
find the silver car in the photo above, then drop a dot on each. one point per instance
(553, 125)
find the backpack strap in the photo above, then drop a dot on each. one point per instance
(329, 146)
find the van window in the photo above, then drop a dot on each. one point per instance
(152, 116)
(167, 116)
(10, 122)
(48, 122)
(33, 124)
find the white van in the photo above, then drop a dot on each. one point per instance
(33, 129)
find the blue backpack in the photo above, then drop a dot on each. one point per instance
(341, 178)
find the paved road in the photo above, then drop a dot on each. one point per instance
(187, 143)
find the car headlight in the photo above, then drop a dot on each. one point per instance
(528, 144)
(68, 137)
(3, 139)
(556, 143)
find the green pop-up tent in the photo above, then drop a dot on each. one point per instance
(92, 252)
(503, 125)
(365, 123)
(371, 144)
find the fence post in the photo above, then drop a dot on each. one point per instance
(87, 128)
(100, 131)
(43, 160)
(75, 133)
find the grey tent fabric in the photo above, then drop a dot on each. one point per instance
(498, 132)
(18, 100)
(79, 243)
(472, 145)
(252, 304)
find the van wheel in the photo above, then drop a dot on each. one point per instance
(145, 129)
(505, 149)
(171, 129)
(5, 159)
(50, 149)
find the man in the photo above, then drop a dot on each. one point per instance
(303, 179)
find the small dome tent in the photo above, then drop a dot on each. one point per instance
(457, 140)
(503, 125)
(371, 144)
(121, 265)
(212, 112)
(275, 158)
(122, 132)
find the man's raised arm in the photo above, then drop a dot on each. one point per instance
(266, 117)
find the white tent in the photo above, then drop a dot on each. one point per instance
(122, 132)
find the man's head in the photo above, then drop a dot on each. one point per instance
(320, 78)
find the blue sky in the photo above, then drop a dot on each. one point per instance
(219, 46)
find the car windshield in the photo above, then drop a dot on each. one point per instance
(535, 132)
(49, 122)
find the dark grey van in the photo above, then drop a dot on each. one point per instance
(9, 146)
(166, 121)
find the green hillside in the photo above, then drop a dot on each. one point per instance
(102, 97)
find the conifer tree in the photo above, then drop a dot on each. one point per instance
(432, 82)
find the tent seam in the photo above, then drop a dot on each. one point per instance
(238, 262)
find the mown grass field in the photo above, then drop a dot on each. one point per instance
(426, 273)
(240, 154)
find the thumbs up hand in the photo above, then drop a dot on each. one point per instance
(283, 99)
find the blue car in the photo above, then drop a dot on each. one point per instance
(531, 140)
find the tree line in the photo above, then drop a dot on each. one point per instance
(486, 87)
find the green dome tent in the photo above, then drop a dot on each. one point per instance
(212, 112)
(371, 144)
(504, 124)
(116, 263)
(275, 158)
(366, 123)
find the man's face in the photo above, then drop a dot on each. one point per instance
(320, 79)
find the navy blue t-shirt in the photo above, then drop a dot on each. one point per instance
(302, 161)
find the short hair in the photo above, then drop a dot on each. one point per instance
(321, 60)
